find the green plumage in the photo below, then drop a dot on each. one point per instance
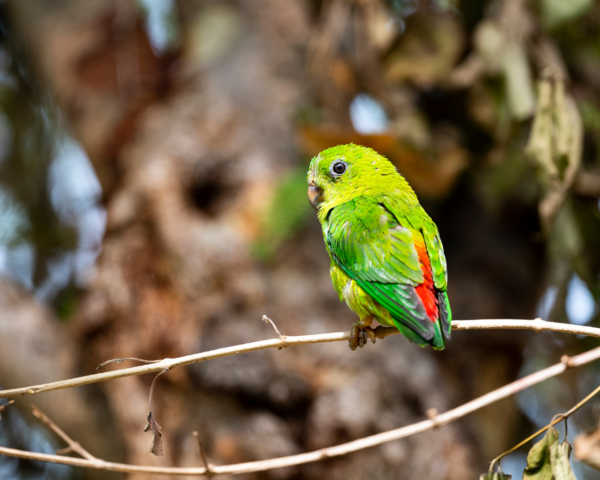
(387, 260)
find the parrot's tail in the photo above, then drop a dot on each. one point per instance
(443, 325)
(445, 313)
(441, 328)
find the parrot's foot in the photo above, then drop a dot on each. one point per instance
(359, 334)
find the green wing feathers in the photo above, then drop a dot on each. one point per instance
(398, 262)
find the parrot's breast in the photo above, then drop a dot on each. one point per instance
(359, 301)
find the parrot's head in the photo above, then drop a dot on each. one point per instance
(338, 174)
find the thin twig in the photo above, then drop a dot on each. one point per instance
(73, 446)
(170, 363)
(207, 465)
(268, 320)
(338, 450)
(119, 360)
(64, 451)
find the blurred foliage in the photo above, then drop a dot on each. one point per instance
(482, 102)
(284, 216)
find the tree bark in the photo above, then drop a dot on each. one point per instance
(189, 149)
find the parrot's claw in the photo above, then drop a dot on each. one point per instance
(355, 334)
(358, 336)
(370, 333)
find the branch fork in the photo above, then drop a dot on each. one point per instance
(432, 414)
(281, 337)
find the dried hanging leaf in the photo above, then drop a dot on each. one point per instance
(555, 143)
(587, 449)
(157, 443)
(549, 460)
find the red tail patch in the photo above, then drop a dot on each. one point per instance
(426, 290)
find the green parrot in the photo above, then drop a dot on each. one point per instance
(387, 260)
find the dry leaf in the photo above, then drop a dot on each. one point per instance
(157, 443)
(587, 449)
(152, 425)
(555, 143)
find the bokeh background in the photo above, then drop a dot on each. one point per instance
(153, 159)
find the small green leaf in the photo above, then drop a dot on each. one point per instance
(549, 460)
(561, 466)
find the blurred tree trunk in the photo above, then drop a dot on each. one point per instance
(189, 148)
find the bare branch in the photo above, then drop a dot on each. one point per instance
(338, 450)
(537, 325)
(73, 446)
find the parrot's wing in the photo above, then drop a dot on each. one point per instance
(435, 252)
(374, 249)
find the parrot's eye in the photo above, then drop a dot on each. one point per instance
(338, 168)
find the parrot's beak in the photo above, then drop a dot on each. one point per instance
(314, 194)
